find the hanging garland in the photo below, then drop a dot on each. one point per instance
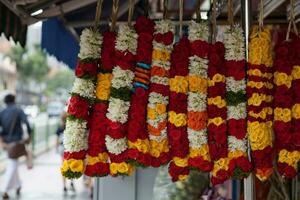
(138, 142)
(75, 134)
(177, 120)
(239, 164)
(259, 94)
(97, 158)
(119, 101)
(199, 157)
(159, 93)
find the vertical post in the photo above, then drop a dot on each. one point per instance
(246, 16)
(96, 188)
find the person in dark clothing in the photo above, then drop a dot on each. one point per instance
(11, 120)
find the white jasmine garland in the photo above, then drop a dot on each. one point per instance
(198, 66)
(237, 112)
(163, 135)
(115, 146)
(84, 88)
(198, 31)
(160, 80)
(162, 47)
(122, 78)
(197, 138)
(165, 65)
(235, 144)
(90, 44)
(164, 26)
(118, 110)
(196, 102)
(234, 43)
(159, 118)
(75, 136)
(234, 85)
(126, 39)
(155, 98)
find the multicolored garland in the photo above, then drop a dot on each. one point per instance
(286, 113)
(75, 134)
(199, 157)
(119, 100)
(217, 114)
(159, 93)
(97, 158)
(138, 142)
(234, 41)
(260, 99)
(177, 120)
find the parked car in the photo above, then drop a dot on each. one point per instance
(55, 108)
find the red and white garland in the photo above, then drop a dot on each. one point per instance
(159, 93)
(119, 101)
(177, 124)
(138, 142)
(199, 157)
(97, 156)
(234, 42)
(76, 131)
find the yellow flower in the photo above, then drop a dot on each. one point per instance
(236, 154)
(216, 79)
(103, 86)
(154, 152)
(281, 114)
(202, 151)
(179, 84)
(291, 158)
(122, 168)
(255, 72)
(262, 114)
(281, 78)
(296, 72)
(76, 165)
(180, 162)
(102, 157)
(151, 113)
(113, 167)
(182, 177)
(177, 119)
(217, 121)
(160, 55)
(260, 135)
(222, 163)
(161, 108)
(65, 167)
(217, 101)
(296, 111)
(197, 84)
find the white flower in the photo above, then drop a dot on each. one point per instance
(117, 110)
(164, 26)
(198, 66)
(162, 47)
(235, 144)
(234, 43)
(197, 138)
(161, 137)
(126, 39)
(237, 112)
(122, 78)
(163, 64)
(115, 146)
(84, 88)
(198, 31)
(159, 118)
(160, 80)
(75, 136)
(90, 44)
(196, 102)
(234, 85)
(155, 98)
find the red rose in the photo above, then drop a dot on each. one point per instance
(236, 69)
(166, 38)
(200, 48)
(132, 154)
(286, 170)
(244, 163)
(108, 49)
(144, 24)
(200, 164)
(281, 50)
(74, 155)
(78, 107)
(237, 128)
(158, 88)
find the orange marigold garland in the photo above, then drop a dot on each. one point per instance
(177, 125)
(260, 109)
(138, 142)
(159, 93)
(97, 155)
(217, 114)
(239, 165)
(75, 134)
(199, 157)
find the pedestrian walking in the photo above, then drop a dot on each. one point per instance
(11, 140)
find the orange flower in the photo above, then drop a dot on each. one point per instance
(158, 71)
(156, 131)
(197, 84)
(197, 120)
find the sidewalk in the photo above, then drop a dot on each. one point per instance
(44, 182)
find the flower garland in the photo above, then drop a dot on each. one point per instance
(239, 165)
(97, 156)
(197, 96)
(138, 142)
(177, 125)
(287, 111)
(159, 91)
(259, 94)
(75, 134)
(216, 126)
(119, 100)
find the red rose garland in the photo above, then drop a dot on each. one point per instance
(217, 114)
(75, 134)
(97, 156)
(138, 142)
(159, 93)
(119, 101)
(177, 125)
(197, 97)
(260, 108)
(287, 107)
(239, 165)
